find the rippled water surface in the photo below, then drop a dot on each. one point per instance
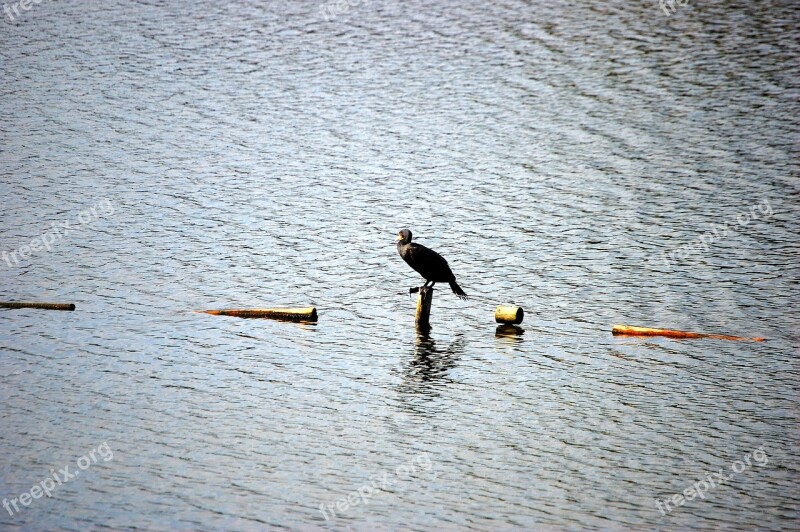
(593, 162)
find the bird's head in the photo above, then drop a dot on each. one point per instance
(404, 236)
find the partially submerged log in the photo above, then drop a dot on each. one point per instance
(289, 314)
(646, 331)
(32, 304)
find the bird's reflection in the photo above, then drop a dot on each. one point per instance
(430, 364)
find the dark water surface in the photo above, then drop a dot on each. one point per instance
(564, 156)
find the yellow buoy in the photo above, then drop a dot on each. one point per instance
(510, 315)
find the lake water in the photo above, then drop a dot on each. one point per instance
(595, 163)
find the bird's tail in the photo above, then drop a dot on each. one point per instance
(457, 290)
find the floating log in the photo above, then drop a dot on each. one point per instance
(646, 331)
(424, 306)
(289, 314)
(509, 315)
(43, 306)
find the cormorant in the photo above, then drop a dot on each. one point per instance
(427, 263)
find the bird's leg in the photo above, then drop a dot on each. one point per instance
(417, 289)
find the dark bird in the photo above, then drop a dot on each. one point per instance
(427, 263)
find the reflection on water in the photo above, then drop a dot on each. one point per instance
(429, 363)
(510, 333)
(260, 155)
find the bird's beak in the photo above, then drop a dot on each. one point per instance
(399, 237)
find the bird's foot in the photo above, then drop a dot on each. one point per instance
(418, 288)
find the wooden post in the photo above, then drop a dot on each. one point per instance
(424, 306)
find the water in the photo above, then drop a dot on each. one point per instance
(565, 157)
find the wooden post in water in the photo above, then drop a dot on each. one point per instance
(424, 306)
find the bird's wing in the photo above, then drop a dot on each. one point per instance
(427, 262)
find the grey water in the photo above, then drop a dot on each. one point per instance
(596, 163)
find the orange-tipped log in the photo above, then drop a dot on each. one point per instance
(646, 331)
(43, 306)
(290, 314)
